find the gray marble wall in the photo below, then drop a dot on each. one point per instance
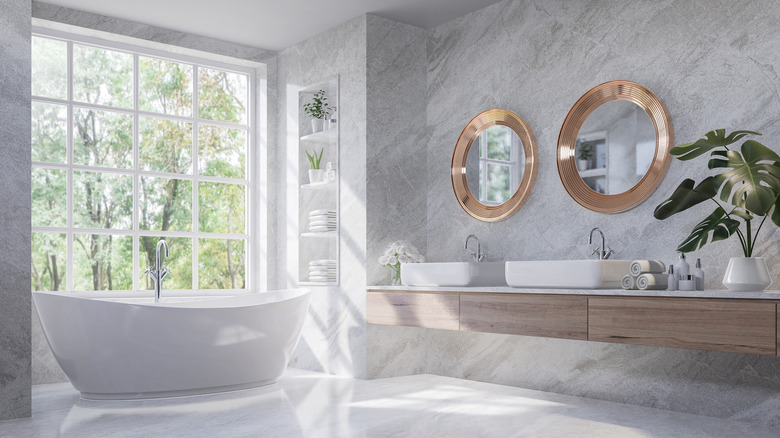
(15, 369)
(334, 336)
(537, 58)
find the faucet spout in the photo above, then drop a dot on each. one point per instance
(602, 251)
(158, 272)
(478, 256)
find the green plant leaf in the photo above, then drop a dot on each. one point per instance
(717, 223)
(711, 140)
(752, 183)
(686, 196)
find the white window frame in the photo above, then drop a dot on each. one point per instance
(249, 195)
(514, 174)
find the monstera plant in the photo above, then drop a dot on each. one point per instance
(748, 190)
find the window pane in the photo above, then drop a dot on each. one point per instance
(179, 261)
(102, 262)
(49, 132)
(498, 183)
(165, 204)
(221, 207)
(49, 263)
(165, 145)
(165, 87)
(222, 152)
(49, 68)
(102, 76)
(102, 138)
(499, 142)
(102, 200)
(222, 96)
(49, 197)
(221, 264)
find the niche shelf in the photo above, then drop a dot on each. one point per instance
(312, 196)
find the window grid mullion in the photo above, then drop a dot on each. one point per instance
(136, 167)
(70, 206)
(196, 178)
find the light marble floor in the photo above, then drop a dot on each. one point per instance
(306, 404)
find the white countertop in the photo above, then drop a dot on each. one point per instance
(764, 295)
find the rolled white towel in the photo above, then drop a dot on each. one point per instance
(646, 267)
(652, 281)
(628, 282)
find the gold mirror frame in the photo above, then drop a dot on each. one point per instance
(460, 186)
(567, 169)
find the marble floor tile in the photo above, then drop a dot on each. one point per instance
(312, 405)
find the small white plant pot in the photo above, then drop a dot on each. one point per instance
(582, 165)
(316, 125)
(747, 274)
(316, 175)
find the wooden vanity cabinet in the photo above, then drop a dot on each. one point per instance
(703, 324)
(426, 310)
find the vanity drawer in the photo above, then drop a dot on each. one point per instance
(702, 324)
(552, 316)
(413, 309)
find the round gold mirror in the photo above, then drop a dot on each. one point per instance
(613, 149)
(494, 165)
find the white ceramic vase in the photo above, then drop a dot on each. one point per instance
(316, 175)
(317, 125)
(746, 274)
(582, 165)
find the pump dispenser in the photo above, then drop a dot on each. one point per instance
(698, 275)
(681, 268)
(672, 282)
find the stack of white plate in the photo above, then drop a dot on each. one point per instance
(322, 220)
(322, 271)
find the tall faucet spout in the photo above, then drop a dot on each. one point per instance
(159, 272)
(478, 256)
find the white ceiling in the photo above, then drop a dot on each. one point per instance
(271, 24)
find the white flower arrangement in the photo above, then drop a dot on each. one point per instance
(397, 253)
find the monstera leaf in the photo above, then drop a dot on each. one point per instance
(754, 179)
(721, 227)
(686, 196)
(711, 140)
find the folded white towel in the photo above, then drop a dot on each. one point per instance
(652, 281)
(322, 211)
(628, 282)
(322, 262)
(646, 267)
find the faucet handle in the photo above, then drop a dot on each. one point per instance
(164, 273)
(595, 252)
(608, 253)
(481, 256)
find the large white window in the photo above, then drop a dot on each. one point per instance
(130, 146)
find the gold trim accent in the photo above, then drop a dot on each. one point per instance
(664, 137)
(460, 186)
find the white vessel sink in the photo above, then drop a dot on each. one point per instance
(453, 274)
(567, 274)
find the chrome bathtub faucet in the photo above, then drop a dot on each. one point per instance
(603, 251)
(158, 272)
(478, 256)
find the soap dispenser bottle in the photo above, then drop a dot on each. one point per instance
(681, 268)
(698, 275)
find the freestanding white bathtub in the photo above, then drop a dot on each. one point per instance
(121, 350)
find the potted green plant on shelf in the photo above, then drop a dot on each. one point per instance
(315, 173)
(747, 189)
(584, 153)
(318, 109)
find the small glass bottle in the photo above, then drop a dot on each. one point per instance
(672, 281)
(698, 275)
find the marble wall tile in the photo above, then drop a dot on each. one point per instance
(334, 336)
(396, 87)
(15, 351)
(536, 58)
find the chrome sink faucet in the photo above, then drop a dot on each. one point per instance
(478, 256)
(158, 272)
(603, 251)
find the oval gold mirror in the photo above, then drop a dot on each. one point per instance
(494, 165)
(613, 149)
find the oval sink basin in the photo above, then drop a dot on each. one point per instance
(567, 274)
(453, 274)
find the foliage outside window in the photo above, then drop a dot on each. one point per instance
(129, 148)
(499, 172)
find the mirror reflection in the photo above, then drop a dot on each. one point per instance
(615, 147)
(495, 165)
